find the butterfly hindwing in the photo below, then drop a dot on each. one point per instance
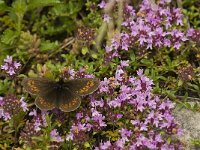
(83, 86)
(68, 101)
(44, 104)
(51, 96)
(37, 85)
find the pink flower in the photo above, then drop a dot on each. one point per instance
(105, 145)
(55, 136)
(102, 4)
(10, 66)
(23, 104)
(106, 18)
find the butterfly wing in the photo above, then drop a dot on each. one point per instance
(83, 86)
(45, 89)
(68, 101)
(37, 85)
(44, 104)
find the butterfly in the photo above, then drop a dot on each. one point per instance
(65, 95)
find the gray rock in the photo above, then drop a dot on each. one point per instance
(190, 123)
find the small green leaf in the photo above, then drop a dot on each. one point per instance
(47, 45)
(41, 3)
(146, 61)
(94, 55)
(9, 37)
(4, 86)
(84, 50)
(86, 144)
(180, 83)
(4, 7)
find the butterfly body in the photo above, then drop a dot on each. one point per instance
(65, 95)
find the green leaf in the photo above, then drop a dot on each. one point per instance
(9, 36)
(86, 144)
(4, 7)
(146, 72)
(19, 7)
(84, 50)
(146, 61)
(196, 87)
(180, 83)
(188, 105)
(47, 45)
(4, 86)
(94, 55)
(33, 4)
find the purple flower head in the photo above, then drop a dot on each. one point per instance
(106, 18)
(95, 103)
(124, 63)
(125, 132)
(55, 136)
(119, 116)
(119, 74)
(1, 101)
(23, 104)
(102, 4)
(11, 106)
(144, 84)
(69, 136)
(79, 115)
(194, 35)
(37, 124)
(33, 113)
(98, 118)
(120, 143)
(10, 66)
(105, 145)
(28, 132)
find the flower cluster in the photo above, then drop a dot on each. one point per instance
(56, 139)
(126, 115)
(85, 34)
(38, 119)
(186, 73)
(70, 73)
(55, 136)
(33, 127)
(155, 25)
(28, 132)
(194, 35)
(10, 66)
(11, 106)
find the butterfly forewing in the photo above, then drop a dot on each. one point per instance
(83, 86)
(38, 85)
(68, 101)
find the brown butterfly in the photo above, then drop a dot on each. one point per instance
(65, 95)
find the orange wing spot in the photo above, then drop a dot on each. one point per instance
(65, 106)
(87, 87)
(45, 103)
(74, 102)
(72, 105)
(31, 84)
